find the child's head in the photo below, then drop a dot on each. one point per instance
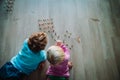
(55, 55)
(37, 41)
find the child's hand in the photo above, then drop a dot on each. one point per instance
(59, 43)
(70, 65)
(42, 65)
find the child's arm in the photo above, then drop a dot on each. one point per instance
(65, 49)
(42, 65)
(70, 65)
(62, 45)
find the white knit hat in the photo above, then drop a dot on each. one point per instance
(55, 55)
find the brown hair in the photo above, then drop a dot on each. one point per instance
(37, 41)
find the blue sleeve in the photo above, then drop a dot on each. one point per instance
(25, 41)
(43, 55)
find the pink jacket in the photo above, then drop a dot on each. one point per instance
(62, 69)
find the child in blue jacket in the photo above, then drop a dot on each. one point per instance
(28, 58)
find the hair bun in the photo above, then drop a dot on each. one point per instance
(37, 41)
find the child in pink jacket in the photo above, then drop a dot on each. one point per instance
(58, 56)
